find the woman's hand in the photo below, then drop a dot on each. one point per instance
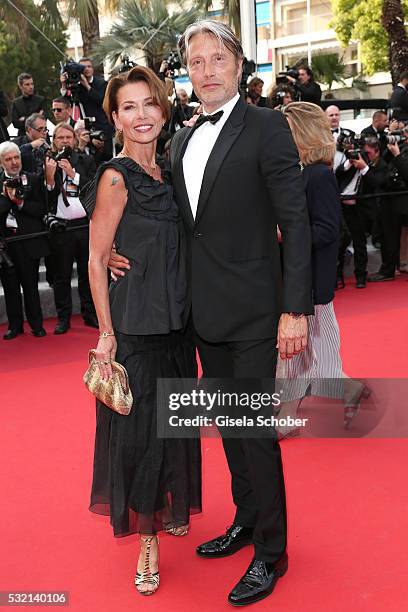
(105, 354)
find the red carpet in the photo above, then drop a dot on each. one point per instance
(347, 499)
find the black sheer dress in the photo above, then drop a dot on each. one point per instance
(142, 482)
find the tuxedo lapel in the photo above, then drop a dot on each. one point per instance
(178, 177)
(229, 133)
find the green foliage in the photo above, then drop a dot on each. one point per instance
(361, 20)
(35, 54)
(145, 29)
(328, 68)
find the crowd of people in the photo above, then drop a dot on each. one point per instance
(83, 138)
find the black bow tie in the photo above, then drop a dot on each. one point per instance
(335, 131)
(211, 118)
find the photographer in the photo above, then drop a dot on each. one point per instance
(364, 172)
(255, 88)
(393, 210)
(62, 111)
(26, 104)
(377, 128)
(66, 173)
(280, 95)
(305, 86)
(21, 212)
(89, 92)
(37, 138)
(90, 143)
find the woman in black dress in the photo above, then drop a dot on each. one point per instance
(144, 483)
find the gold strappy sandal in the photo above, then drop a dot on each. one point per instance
(146, 577)
(182, 530)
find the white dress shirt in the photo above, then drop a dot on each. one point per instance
(199, 150)
(75, 210)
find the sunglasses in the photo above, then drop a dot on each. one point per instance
(41, 129)
(58, 110)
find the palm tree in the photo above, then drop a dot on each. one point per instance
(394, 23)
(328, 68)
(144, 28)
(14, 17)
(231, 8)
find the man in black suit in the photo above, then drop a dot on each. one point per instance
(399, 99)
(20, 216)
(64, 179)
(365, 175)
(90, 94)
(377, 128)
(62, 111)
(236, 177)
(26, 104)
(36, 137)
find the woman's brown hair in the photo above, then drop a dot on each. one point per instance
(311, 132)
(135, 75)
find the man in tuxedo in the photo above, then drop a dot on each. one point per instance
(399, 99)
(377, 129)
(236, 177)
(21, 213)
(64, 178)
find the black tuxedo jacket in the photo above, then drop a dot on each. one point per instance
(86, 168)
(24, 107)
(29, 218)
(399, 103)
(251, 183)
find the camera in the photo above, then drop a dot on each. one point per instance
(20, 184)
(352, 144)
(353, 153)
(395, 138)
(173, 62)
(93, 134)
(65, 153)
(74, 72)
(53, 224)
(5, 261)
(289, 72)
(127, 64)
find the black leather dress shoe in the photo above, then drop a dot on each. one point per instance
(62, 327)
(379, 277)
(12, 333)
(91, 321)
(39, 333)
(361, 283)
(258, 581)
(233, 540)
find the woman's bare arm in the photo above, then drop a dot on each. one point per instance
(111, 199)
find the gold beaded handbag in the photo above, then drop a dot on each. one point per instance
(114, 392)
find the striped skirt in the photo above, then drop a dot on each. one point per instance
(318, 369)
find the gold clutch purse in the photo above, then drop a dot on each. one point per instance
(114, 392)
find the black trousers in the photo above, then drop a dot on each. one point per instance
(393, 213)
(65, 248)
(24, 275)
(258, 488)
(356, 224)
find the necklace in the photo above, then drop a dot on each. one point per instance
(146, 167)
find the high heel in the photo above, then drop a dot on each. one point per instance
(352, 408)
(146, 577)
